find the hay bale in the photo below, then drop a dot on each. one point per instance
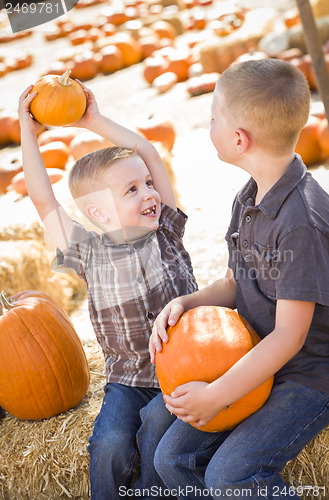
(26, 265)
(311, 468)
(217, 53)
(48, 458)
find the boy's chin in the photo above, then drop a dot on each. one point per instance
(131, 233)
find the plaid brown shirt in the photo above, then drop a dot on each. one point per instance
(128, 285)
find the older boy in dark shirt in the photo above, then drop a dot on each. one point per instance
(278, 242)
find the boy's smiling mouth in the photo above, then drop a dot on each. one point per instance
(151, 211)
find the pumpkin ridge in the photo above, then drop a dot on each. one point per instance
(34, 331)
(22, 367)
(10, 343)
(59, 346)
(73, 369)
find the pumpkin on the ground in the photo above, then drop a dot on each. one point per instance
(87, 142)
(59, 100)
(43, 366)
(308, 146)
(323, 136)
(9, 167)
(18, 182)
(55, 154)
(158, 128)
(203, 345)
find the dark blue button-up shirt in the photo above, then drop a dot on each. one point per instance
(279, 249)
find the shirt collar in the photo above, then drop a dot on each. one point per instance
(274, 198)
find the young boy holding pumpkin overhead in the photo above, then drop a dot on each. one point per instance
(132, 271)
(277, 278)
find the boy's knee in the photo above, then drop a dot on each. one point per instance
(164, 460)
(111, 445)
(155, 416)
(224, 475)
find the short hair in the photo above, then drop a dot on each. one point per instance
(88, 170)
(271, 97)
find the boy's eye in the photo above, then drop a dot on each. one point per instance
(149, 183)
(132, 189)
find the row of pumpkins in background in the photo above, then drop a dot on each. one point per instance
(128, 17)
(164, 65)
(59, 146)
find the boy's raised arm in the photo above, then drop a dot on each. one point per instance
(58, 224)
(123, 137)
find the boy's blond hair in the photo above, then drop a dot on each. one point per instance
(87, 171)
(270, 99)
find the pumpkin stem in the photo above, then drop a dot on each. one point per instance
(64, 78)
(5, 303)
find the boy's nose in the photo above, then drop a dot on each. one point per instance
(147, 195)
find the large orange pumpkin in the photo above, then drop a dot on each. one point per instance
(43, 367)
(203, 345)
(60, 100)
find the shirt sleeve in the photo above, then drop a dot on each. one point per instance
(173, 221)
(301, 268)
(78, 252)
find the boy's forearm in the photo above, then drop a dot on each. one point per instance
(220, 293)
(293, 320)
(123, 137)
(36, 178)
(116, 133)
(257, 366)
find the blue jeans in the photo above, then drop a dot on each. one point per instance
(245, 462)
(120, 441)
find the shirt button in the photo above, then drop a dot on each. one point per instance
(245, 243)
(150, 315)
(248, 218)
(139, 279)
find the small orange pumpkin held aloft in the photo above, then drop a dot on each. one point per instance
(203, 345)
(43, 367)
(59, 100)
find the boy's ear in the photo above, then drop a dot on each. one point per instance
(96, 214)
(243, 140)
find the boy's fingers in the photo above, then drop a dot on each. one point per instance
(81, 84)
(174, 315)
(152, 352)
(25, 93)
(158, 344)
(30, 97)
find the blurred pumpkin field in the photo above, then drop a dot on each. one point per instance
(152, 65)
